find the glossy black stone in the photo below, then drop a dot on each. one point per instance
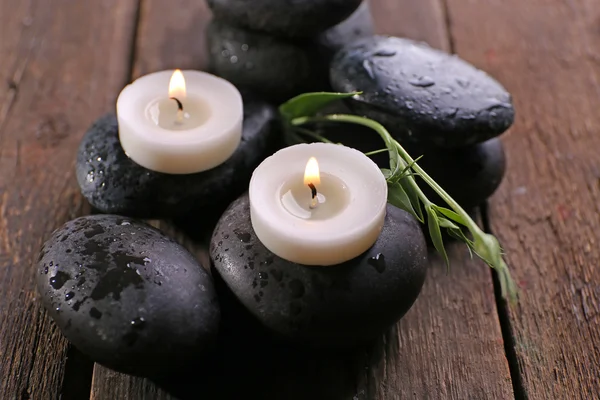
(284, 18)
(113, 183)
(356, 26)
(340, 305)
(276, 68)
(127, 296)
(422, 95)
(470, 174)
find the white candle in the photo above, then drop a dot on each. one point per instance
(180, 122)
(344, 222)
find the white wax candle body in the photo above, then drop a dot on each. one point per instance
(205, 136)
(348, 219)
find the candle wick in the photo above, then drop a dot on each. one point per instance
(314, 200)
(179, 108)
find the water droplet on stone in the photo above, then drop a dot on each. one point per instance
(463, 83)
(243, 236)
(59, 280)
(409, 105)
(245, 47)
(368, 68)
(385, 53)
(422, 81)
(225, 53)
(95, 313)
(138, 323)
(233, 59)
(69, 296)
(378, 262)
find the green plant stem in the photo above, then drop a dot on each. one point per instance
(372, 153)
(485, 245)
(390, 142)
(313, 135)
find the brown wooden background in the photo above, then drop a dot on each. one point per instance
(62, 64)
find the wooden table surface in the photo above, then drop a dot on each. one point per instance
(62, 64)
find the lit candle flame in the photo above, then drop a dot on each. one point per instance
(311, 173)
(177, 85)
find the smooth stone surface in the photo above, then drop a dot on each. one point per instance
(470, 174)
(284, 18)
(341, 305)
(276, 68)
(115, 184)
(422, 95)
(356, 26)
(127, 296)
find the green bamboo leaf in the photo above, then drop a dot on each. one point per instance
(446, 223)
(450, 214)
(414, 198)
(436, 234)
(398, 197)
(308, 104)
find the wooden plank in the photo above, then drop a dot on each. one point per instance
(546, 212)
(171, 35)
(422, 20)
(61, 65)
(448, 346)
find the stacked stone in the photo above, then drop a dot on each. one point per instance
(281, 49)
(436, 105)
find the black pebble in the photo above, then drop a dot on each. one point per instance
(127, 296)
(276, 68)
(422, 95)
(284, 18)
(114, 184)
(470, 174)
(358, 25)
(339, 305)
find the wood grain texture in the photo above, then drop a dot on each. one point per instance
(546, 213)
(449, 346)
(171, 35)
(422, 20)
(61, 64)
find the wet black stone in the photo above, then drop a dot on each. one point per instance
(273, 67)
(114, 184)
(422, 95)
(470, 174)
(358, 25)
(276, 67)
(110, 306)
(281, 18)
(335, 305)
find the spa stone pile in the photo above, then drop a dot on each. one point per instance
(278, 49)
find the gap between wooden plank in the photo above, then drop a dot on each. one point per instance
(505, 325)
(47, 104)
(546, 213)
(472, 337)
